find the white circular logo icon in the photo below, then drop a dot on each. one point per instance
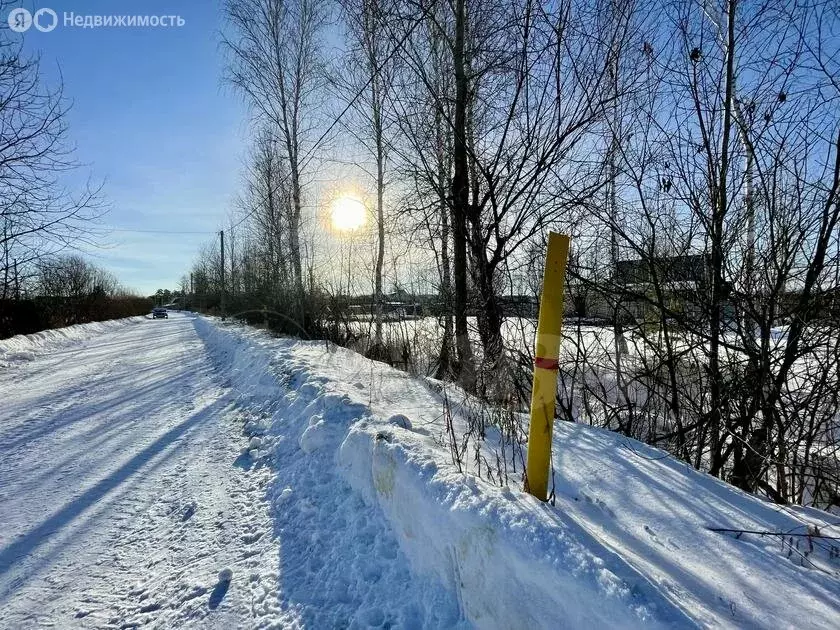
(45, 20)
(20, 20)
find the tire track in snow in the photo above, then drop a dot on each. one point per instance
(207, 517)
(133, 503)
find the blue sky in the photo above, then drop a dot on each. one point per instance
(151, 118)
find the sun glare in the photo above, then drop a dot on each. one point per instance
(348, 214)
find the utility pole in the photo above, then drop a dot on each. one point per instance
(222, 241)
(192, 291)
(17, 282)
(232, 261)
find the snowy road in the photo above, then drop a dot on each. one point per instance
(127, 485)
(140, 458)
(120, 494)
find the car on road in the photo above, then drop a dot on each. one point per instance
(159, 313)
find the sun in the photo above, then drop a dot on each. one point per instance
(348, 214)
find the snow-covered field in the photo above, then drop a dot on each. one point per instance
(138, 463)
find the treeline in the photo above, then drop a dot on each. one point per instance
(40, 217)
(64, 291)
(690, 149)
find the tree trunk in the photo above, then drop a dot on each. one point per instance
(716, 399)
(460, 204)
(380, 210)
(444, 366)
(294, 242)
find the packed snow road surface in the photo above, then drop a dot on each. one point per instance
(127, 487)
(119, 498)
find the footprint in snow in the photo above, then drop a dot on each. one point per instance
(604, 507)
(188, 511)
(655, 538)
(372, 617)
(599, 503)
(250, 539)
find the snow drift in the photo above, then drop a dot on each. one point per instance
(25, 347)
(628, 543)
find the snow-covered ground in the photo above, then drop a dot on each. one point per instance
(127, 486)
(120, 500)
(27, 347)
(141, 459)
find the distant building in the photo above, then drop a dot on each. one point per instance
(680, 279)
(674, 272)
(395, 306)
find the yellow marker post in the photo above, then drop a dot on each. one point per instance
(544, 388)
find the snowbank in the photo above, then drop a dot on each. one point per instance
(512, 563)
(342, 563)
(636, 538)
(26, 347)
(509, 561)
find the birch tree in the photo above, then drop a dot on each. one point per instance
(275, 61)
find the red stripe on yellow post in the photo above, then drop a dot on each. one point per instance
(544, 389)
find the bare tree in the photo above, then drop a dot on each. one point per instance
(530, 89)
(38, 214)
(727, 173)
(422, 111)
(367, 76)
(275, 62)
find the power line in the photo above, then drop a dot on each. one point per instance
(138, 231)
